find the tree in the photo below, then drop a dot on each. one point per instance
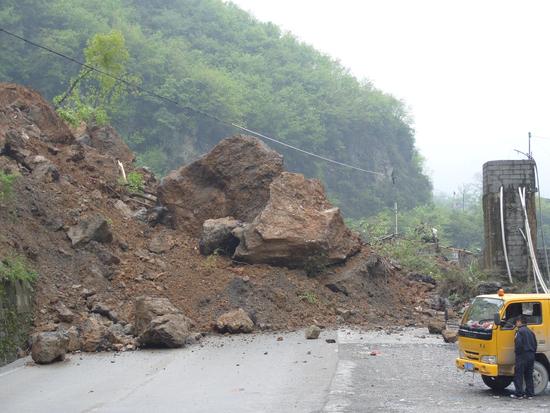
(94, 94)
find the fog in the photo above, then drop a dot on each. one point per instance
(474, 74)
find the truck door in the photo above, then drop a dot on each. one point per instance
(533, 311)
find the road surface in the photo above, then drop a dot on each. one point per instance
(409, 371)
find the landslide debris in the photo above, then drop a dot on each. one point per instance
(119, 269)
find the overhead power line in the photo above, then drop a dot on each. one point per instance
(185, 107)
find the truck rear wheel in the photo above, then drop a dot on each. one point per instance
(540, 378)
(497, 382)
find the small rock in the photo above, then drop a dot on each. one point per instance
(65, 315)
(344, 313)
(436, 327)
(160, 243)
(449, 336)
(330, 340)
(94, 228)
(312, 332)
(104, 310)
(124, 209)
(74, 340)
(237, 321)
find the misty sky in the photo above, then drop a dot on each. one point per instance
(475, 75)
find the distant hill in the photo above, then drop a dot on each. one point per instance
(215, 57)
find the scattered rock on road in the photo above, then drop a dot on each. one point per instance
(158, 323)
(312, 332)
(436, 327)
(49, 347)
(236, 321)
(449, 336)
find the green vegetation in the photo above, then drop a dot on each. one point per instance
(6, 186)
(458, 221)
(92, 95)
(135, 182)
(15, 268)
(212, 56)
(309, 296)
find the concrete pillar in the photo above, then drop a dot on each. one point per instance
(511, 175)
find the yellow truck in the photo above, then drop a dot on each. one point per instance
(486, 337)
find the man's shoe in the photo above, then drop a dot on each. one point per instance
(515, 396)
(529, 397)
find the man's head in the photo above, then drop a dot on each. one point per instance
(521, 321)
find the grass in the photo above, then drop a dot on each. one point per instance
(309, 296)
(6, 186)
(15, 268)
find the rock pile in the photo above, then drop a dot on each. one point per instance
(248, 207)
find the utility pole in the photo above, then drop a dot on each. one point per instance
(529, 151)
(395, 209)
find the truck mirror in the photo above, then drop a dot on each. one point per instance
(496, 319)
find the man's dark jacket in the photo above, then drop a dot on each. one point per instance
(525, 341)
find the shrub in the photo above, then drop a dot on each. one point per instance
(308, 296)
(135, 182)
(6, 186)
(16, 268)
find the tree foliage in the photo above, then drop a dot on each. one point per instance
(94, 94)
(458, 220)
(214, 57)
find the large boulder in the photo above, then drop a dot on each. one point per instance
(297, 227)
(231, 180)
(236, 321)
(159, 324)
(93, 228)
(217, 236)
(49, 347)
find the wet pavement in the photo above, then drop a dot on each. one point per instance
(412, 371)
(405, 371)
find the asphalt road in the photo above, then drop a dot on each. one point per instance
(410, 371)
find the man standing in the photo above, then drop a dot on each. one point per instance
(525, 349)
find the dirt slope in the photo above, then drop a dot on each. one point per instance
(62, 181)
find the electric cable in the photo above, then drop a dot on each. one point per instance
(186, 107)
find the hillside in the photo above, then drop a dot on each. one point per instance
(214, 57)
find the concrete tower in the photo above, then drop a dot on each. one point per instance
(510, 175)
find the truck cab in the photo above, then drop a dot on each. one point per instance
(486, 337)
